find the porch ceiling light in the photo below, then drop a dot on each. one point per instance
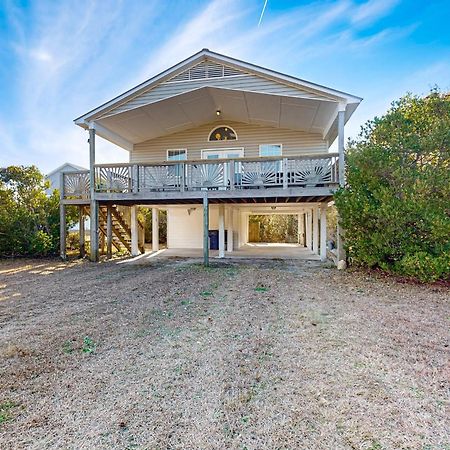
(218, 112)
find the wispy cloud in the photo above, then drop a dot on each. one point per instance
(372, 10)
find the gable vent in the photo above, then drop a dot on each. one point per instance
(205, 70)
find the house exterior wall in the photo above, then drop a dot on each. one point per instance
(294, 143)
(184, 229)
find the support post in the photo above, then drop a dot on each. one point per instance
(155, 229)
(340, 251)
(82, 231)
(301, 228)
(134, 232)
(315, 243)
(109, 231)
(221, 231)
(341, 256)
(94, 203)
(205, 230)
(323, 232)
(341, 122)
(62, 230)
(101, 239)
(230, 212)
(309, 229)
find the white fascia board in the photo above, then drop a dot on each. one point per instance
(111, 136)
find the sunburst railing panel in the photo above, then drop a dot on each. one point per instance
(311, 172)
(76, 185)
(160, 178)
(114, 178)
(205, 175)
(259, 174)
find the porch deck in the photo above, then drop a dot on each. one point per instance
(246, 179)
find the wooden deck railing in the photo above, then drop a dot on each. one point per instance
(225, 174)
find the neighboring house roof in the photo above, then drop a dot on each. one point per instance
(238, 65)
(66, 167)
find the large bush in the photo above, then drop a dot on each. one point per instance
(29, 219)
(274, 228)
(395, 207)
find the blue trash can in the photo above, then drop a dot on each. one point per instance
(213, 239)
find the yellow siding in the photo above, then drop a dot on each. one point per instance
(249, 137)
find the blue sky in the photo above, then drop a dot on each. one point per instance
(59, 59)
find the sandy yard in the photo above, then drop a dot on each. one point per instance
(243, 355)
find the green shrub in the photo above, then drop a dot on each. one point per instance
(424, 267)
(40, 243)
(29, 219)
(395, 207)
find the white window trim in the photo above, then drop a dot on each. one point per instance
(233, 149)
(220, 126)
(176, 150)
(260, 145)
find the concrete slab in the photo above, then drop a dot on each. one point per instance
(248, 251)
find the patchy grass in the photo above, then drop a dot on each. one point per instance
(240, 355)
(6, 411)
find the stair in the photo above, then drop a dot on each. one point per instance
(121, 231)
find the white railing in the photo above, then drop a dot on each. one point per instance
(76, 185)
(244, 173)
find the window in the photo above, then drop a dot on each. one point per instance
(223, 153)
(270, 150)
(176, 155)
(222, 133)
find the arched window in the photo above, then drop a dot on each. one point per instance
(222, 133)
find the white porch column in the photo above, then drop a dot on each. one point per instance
(221, 231)
(323, 231)
(155, 229)
(315, 242)
(301, 228)
(94, 204)
(134, 232)
(230, 213)
(341, 122)
(309, 229)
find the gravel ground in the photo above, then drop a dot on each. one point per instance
(243, 355)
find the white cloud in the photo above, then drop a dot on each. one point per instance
(371, 11)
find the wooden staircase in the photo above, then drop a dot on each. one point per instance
(121, 230)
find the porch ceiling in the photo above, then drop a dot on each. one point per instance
(199, 106)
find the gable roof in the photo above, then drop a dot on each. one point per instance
(229, 66)
(74, 168)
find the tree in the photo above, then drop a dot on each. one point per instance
(29, 219)
(395, 207)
